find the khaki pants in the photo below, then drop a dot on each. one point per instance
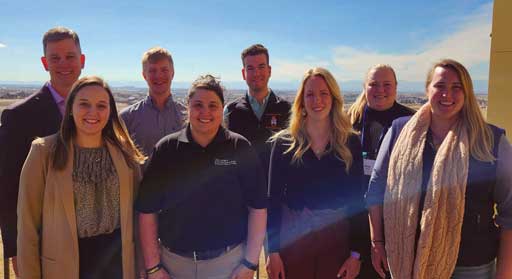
(217, 268)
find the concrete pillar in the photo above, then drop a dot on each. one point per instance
(499, 110)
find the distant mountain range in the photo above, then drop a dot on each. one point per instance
(411, 87)
(127, 95)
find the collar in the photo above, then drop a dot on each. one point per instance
(185, 135)
(56, 96)
(253, 100)
(149, 101)
(392, 108)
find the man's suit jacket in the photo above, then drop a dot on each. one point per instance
(22, 122)
(47, 230)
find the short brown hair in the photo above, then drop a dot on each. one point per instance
(156, 54)
(207, 82)
(60, 33)
(253, 50)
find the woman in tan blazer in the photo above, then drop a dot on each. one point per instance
(77, 187)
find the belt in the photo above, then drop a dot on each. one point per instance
(203, 255)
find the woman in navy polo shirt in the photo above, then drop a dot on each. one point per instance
(316, 202)
(203, 198)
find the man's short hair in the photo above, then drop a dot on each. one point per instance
(253, 50)
(156, 54)
(60, 33)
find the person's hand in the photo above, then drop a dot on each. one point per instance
(160, 274)
(379, 258)
(15, 266)
(242, 272)
(350, 268)
(275, 267)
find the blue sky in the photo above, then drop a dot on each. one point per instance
(345, 36)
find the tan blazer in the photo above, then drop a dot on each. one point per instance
(47, 233)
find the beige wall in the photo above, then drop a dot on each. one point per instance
(499, 111)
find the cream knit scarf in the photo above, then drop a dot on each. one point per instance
(441, 219)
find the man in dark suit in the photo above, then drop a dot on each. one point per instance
(38, 115)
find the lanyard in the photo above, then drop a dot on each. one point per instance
(363, 125)
(363, 133)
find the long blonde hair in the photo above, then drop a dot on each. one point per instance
(481, 138)
(296, 133)
(355, 112)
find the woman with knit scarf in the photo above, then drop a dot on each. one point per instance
(435, 184)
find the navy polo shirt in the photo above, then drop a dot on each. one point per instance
(202, 194)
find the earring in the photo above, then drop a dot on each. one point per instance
(304, 113)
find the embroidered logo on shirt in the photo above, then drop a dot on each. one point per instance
(273, 121)
(223, 162)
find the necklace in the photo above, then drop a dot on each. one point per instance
(318, 151)
(318, 146)
(434, 140)
(437, 139)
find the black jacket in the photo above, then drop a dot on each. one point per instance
(36, 116)
(240, 118)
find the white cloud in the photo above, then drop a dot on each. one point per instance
(469, 44)
(2, 45)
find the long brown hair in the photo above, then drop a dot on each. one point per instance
(341, 128)
(114, 131)
(481, 138)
